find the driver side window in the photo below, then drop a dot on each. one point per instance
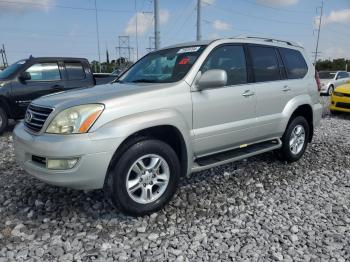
(44, 72)
(230, 58)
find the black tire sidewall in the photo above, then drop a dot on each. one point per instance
(285, 151)
(118, 191)
(4, 118)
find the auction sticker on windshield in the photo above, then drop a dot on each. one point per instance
(188, 49)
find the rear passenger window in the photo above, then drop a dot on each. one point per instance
(294, 62)
(265, 63)
(230, 58)
(75, 70)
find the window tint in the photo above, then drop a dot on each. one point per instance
(230, 58)
(265, 63)
(75, 70)
(294, 62)
(44, 72)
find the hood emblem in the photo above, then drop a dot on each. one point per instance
(28, 117)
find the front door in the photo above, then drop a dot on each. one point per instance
(45, 79)
(224, 117)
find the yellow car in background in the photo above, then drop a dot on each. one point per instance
(340, 99)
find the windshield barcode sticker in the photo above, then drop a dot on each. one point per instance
(188, 49)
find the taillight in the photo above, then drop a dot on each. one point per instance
(317, 78)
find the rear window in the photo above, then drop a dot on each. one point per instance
(265, 63)
(75, 70)
(294, 62)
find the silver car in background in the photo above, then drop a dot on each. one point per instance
(178, 110)
(331, 80)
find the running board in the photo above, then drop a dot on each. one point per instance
(235, 154)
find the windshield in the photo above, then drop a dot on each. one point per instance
(11, 69)
(164, 66)
(326, 75)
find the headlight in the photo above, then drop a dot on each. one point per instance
(75, 120)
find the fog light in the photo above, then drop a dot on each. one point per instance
(332, 102)
(61, 164)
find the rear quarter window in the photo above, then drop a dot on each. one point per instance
(294, 63)
(75, 70)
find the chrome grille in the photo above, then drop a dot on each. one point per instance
(36, 116)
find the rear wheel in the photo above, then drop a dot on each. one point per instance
(3, 120)
(144, 178)
(295, 139)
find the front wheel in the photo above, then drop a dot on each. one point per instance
(295, 139)
(145, 177)
(330, 90)
(3, 120)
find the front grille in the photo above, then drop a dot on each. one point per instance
(343, 105)
(36, 116)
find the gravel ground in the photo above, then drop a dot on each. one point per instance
(256, 210)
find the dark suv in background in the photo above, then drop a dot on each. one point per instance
(34, 77)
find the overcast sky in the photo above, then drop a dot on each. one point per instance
(68, 28)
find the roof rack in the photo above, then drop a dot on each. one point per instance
(271, 40)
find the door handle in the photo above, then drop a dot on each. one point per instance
(248, 93)
(286, 89)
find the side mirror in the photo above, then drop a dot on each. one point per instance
(24, 76)
(212, 78)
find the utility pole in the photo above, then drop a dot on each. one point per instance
(136, 33)
(156, 25)
(199, 36)
(98, 37)
(3, 56)
(318, 32)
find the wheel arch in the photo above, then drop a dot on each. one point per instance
(304, 110)
(164, 125)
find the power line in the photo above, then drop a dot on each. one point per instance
(275, 8)
(64, 7)
(225, 9)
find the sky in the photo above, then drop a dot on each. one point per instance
(68, 27)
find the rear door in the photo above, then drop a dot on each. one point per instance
(273, 90)
(224, 117)
(77, 75)
(46, 78)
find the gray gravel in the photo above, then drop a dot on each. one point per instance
(255, 210)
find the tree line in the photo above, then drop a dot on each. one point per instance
(333, 65)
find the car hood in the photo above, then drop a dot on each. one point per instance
(343, 89)
(104, 94)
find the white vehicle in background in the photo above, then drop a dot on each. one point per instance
(332, 79)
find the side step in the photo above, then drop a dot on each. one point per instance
(235, 154)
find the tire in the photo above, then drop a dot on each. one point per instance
(3, 120)
(330, 90)
(293, 153)
(132, 192)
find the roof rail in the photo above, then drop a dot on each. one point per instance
(272, 40)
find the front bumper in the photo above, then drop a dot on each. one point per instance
(340, 103)
(94, 153)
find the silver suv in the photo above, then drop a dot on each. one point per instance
(178, 110)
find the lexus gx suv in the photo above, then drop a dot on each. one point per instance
(177, 110)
